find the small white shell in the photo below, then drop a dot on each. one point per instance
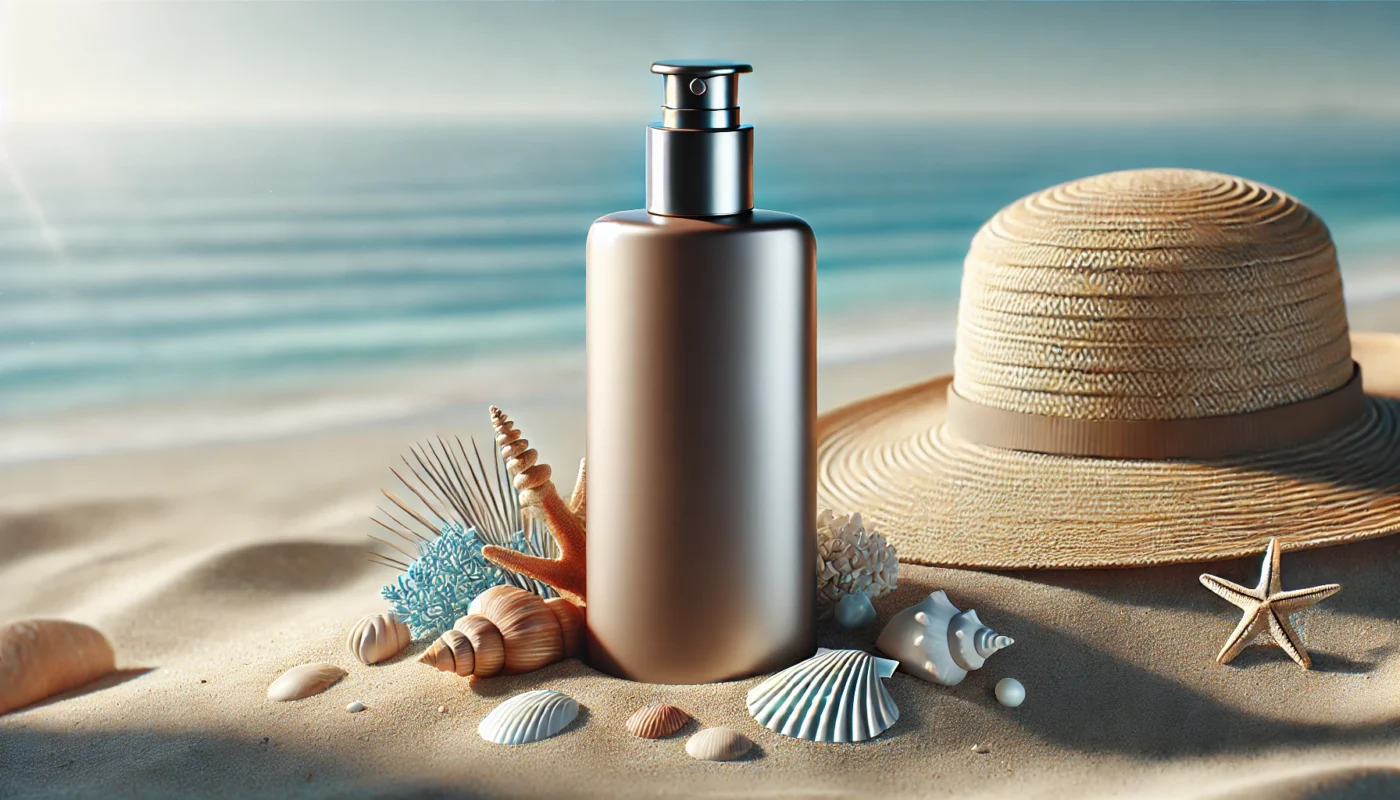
(718, 744)
(835, 696)
(378, 637)
(936, 641)
(529, 717)
(355, 707)
(304, 681)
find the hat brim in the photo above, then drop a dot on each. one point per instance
(945, 502)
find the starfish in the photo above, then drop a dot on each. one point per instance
(567, 573)
(1267, 608)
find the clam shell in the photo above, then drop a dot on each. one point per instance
(304, 681)
(378, 637)
(529, 717)
(656, 721)
(835, 696)
(40, 658)
(718, 744)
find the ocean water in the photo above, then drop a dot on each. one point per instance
(179, 267)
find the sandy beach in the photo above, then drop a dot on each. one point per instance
(215, 568)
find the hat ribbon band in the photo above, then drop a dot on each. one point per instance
(1198, 438)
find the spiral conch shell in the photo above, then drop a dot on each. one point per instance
(40, 658)
(378, 637)
(508, 631)
(935, 641)
(567, 573)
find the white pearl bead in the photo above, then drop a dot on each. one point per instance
(1010, 692)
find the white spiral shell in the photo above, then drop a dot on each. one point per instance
(529, 717)
(835, 696)
(936, 641)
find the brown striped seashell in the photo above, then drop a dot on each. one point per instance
(378, 637)
(656, 721)
(571, 624)
(40, 658)
(508, 631)
(718, 744)
(451, 652)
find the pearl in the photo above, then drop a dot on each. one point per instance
(1010, 692)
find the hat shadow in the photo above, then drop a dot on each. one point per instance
(1092, 683)
(1365, 570)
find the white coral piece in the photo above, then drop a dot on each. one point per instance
(851, 558)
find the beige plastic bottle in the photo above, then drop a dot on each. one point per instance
(701, 407)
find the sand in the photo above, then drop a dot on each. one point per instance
(214, 569)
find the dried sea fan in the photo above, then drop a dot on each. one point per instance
(461, 510)
(851, 558)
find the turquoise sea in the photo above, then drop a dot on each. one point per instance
(173, 268)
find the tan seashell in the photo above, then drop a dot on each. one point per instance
(530, 630)
(378, 637)
(656, 721)
(508, 631)
(567, 573)
(487, 644)
(718, 744)
(571, 624)
(40, 658)
(451, 652)
(304, 681)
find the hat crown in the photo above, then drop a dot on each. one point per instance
(1151, 295)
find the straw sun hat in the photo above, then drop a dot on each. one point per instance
(1151, 366)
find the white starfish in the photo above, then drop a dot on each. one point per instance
(1267, 608)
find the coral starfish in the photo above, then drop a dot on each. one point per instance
(1267, 608)
(567, 573)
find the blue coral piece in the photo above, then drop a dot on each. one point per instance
(437, 588)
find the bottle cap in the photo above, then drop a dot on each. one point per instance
(699, 158)
(700, 93)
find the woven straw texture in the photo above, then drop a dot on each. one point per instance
(1151, 294)
(1155, 294)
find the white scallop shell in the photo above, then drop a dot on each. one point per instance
(529, 717)
(835, 696)
(378, 637)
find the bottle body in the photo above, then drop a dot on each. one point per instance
(701, 461)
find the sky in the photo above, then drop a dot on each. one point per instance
(102, 60)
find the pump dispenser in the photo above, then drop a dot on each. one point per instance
(701, 407)
(699, 158)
